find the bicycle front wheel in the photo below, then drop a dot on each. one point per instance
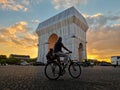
(52, 71)
(74, 70)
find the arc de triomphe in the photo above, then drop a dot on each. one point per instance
(71, 26)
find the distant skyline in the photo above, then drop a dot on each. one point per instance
(20, 18)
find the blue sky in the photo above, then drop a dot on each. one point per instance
(43, 9)
(21, 17)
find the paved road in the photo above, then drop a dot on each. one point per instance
(33, 78)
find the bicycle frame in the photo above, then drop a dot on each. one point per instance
(69, 58)
(69, 61)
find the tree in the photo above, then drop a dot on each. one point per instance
(3, 57)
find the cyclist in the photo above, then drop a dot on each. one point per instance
(58, 50)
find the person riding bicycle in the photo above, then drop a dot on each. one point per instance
(58, 50)
(54, 70)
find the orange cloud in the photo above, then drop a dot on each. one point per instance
(3, 1)
(18, 40)
(102, 37)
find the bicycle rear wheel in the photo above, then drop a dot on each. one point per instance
(74, 70)
(52, 71)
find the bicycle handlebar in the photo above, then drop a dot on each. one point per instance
(68, 52)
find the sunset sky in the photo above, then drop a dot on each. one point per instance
(20, 18)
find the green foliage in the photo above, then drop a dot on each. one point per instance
(10, 61)
(14, 61)
(3, 57)
(31, 60)
(3, 61)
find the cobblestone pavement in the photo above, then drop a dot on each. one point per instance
(33, 78)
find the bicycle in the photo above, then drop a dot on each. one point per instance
(54, 70)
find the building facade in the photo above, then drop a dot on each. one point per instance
(71, 26)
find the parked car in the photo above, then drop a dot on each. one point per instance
(24, 63)
(38, 64)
